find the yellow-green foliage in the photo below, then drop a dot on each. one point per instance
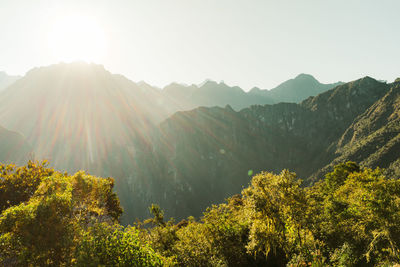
(361, 214)
(18, 184)
(351, 218)
(56, 223)
(263, 225)
(275, 204)
(111, 245)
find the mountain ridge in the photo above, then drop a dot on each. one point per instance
(80, 109)
(166, 147)
(211, 93)
(205, 154)
(373, 139)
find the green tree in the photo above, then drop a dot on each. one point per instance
(111, 245)
(18, 185)
(357, 211)
(39, 232)
(45, 229)
(275, 206)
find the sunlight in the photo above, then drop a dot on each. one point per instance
(77, 38)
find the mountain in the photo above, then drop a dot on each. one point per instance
(186, 147)
(7, 80)
(373, 139)
(202, 156)
(295, 90)
(211, 93)
(79, 116)
(180, 95)
(13, 147)
(220, 94)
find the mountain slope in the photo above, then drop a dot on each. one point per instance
(373, 139)
(199, 157)
(13, 147)
(78, 115)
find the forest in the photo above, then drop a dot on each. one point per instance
(350, 218)
(199, 133)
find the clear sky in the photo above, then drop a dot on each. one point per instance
(243, 42)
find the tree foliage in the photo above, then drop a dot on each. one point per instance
(351, 218)
(52, 218)
(111, 245)
(18, 184)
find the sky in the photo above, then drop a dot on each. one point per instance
(241, 42)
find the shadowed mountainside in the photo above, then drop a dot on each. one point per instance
(373, 139)
(202, 156)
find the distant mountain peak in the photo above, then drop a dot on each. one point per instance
(222, 82)
(228, 107)
(365, 81)
(204, 82)
(208, 83)
(172, 84)
(255, 90)
(304, 76)
(368, 78)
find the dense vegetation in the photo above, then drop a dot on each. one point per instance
(53, 219)
(351, 218)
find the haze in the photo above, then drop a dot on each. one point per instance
(245, 43)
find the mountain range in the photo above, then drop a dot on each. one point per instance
(202, 156)
(211, 93)
(186, 147)
(83, 110)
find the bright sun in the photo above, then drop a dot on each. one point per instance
(77, 38)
